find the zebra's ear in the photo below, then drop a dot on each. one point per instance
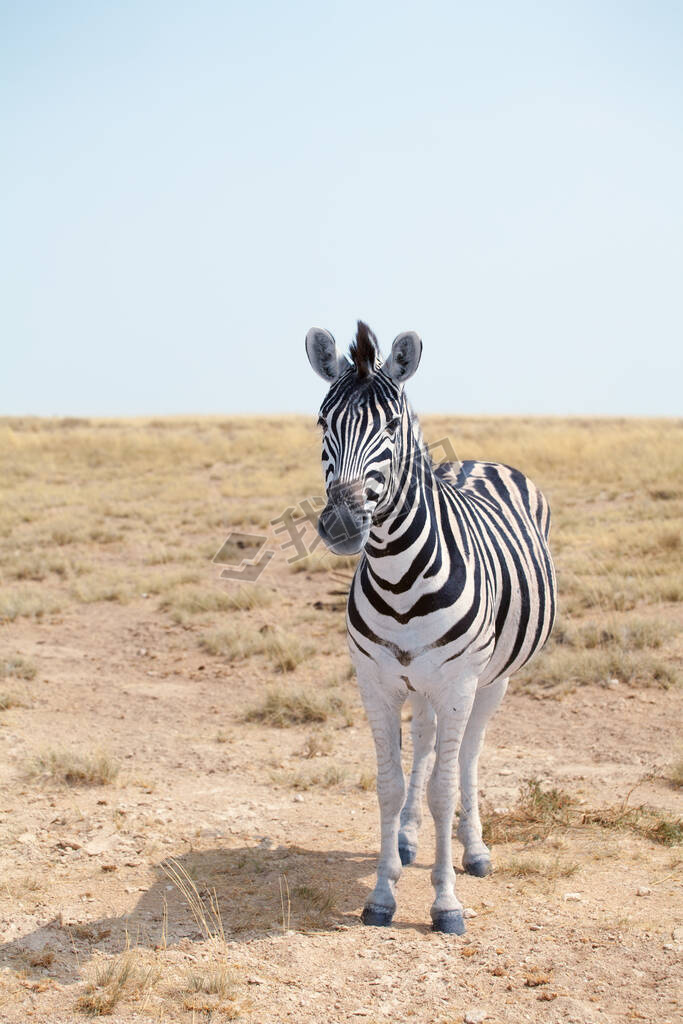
(321, 349)
(405, 357)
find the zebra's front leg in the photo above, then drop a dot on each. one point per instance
(452, 716)
(384, 715)
(423, 731)
(476, 858)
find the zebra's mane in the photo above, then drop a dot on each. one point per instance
(364, 351)
(416, 428)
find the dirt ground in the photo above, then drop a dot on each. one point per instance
(219, 874)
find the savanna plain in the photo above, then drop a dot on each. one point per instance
(187, 808)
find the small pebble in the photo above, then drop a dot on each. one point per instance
(535, 927)
(298, 798)
(643, 891)
(572, 897)
(474, 1016)
(468, 912)
(613, 683)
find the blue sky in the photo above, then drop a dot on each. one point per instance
(186, 189)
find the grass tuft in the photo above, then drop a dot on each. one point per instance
(284, 650)
(282, 708)
(324, 778)
(197, 601)
(27, 602)
(75, 769)
(676, 774)
(17, 667)
(124, 975)
(10, 700)
(538, 812)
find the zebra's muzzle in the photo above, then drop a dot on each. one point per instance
(344, 528)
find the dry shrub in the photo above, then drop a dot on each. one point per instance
(538, 867)
(315, 906)
(283, 707)
(285, 651)
(217, 981)
(676, 774)
(17, 667)
(318, 744)
(538, 812)
(10, 700)
(103, 587)
(323, 778)
(564, 665)
(29, 602)
(534, 816)
(39, 957)
(124, 975)
(75, 769)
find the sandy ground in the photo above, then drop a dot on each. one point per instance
(593, 935)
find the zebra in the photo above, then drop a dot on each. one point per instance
(455, 590)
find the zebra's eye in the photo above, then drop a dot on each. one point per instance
(322, 423)
(392, 425)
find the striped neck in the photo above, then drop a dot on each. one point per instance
(403, 511)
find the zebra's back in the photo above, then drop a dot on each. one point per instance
(513, 520)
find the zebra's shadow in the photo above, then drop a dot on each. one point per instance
(242, 894)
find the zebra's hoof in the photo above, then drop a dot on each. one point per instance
(379, 917)
(407, 852)
(480, 867)
(451, 922)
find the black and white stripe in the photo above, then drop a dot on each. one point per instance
(454, 591)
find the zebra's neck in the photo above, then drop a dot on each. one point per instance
(406, 518)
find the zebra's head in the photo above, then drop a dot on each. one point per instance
(365, 422)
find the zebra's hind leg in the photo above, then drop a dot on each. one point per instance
(476, 858)
(384, 715)
(423, 732)
(452, 714)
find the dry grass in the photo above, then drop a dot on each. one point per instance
(561, 668)
(17, 602)
(282, 707)
(316, 778)
(315, 906)
(203, 906)
(17, 667)
(529, 866)
(134, 493)
(197, 601)
(540, 812)
(318, 744)
(10, 700)
(123, 976)
(75, 769)
(322, 560)
(234, 642)
(675, 774)
(209, 990)
(39, 957)
(105, 587)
